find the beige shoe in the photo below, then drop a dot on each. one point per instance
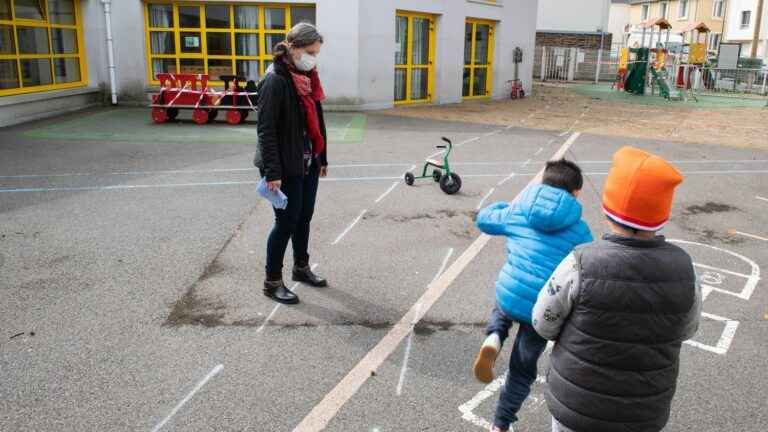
(486, 358)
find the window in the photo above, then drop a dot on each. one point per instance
(746, 17)
(664, 8)
(682, 9)
(646, 12)
(40, 46)
(414, 57)
(217, 39)
(478, 59)
(714, 41)
(718, 8)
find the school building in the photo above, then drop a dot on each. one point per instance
(55, 55)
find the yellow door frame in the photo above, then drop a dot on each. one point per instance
(408, 66)
(488, 66)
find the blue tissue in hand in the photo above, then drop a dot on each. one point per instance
(277, 198)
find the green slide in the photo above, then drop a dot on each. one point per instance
(667, 91)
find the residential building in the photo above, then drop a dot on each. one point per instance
(681, 14)
(582, 23)
(619, 19)
(742, 19)
(377, 54)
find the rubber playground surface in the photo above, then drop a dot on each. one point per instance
(132, 258)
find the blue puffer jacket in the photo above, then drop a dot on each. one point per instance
(542, 228)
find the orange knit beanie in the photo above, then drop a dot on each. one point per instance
(639, 190)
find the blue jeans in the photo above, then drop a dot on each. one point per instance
(522, 367)
(293, 222)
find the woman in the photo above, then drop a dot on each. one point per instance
(292, 153)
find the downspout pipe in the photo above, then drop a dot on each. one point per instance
(110, 50)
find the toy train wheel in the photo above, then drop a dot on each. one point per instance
(172, 113)
(450, 185)
(200, 116)
(159, 115)
(234, 117)
(212, 114)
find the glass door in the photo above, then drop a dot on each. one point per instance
(414, 57)
(478, 59)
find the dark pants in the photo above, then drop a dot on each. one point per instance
(292, 223)
(522, 367)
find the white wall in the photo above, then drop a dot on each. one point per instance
(377, 45)
(735, 33)
(618, 19)
(357, 59)
(573, 15)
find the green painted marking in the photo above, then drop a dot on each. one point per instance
(135, 125)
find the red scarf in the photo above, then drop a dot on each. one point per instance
(310, 92)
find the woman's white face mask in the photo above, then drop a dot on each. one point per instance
(306, 62)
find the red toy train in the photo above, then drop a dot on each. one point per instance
(191, 91)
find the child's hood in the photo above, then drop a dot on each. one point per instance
(548, 208)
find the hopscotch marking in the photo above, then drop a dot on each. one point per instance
(467, 409)
(726, 337)
(715, 276)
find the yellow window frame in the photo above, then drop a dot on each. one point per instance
(408, 66)
(473, 66)
(262, 58)
(14, 23)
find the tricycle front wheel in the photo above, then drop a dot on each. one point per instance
(409, 179)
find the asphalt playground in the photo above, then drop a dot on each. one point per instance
(131, 262)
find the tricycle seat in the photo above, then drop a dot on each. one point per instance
(435, 163)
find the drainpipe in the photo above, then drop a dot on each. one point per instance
(758, 28)
(110, 49)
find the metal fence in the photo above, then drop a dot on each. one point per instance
(726, 81)
(565, 64)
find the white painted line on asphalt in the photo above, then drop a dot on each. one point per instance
(541, 149)
(512, 175)
(349, 228)
(761, 198)
(752, 236)
(482, 201)
(726, 337)
(277, 306)
(384, 195)
(563, 134)
(717, 269)
(467, 141)
(329, 406)
(360, 165)
(401, 381)
(505, 179)
(407, 355)
(186, 399)
(492, 133)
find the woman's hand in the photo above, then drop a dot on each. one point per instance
(323, 171)
(274, 186)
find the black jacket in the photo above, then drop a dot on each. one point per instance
(615, 364)
(282, 127)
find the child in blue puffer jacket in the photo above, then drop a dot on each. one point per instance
(542, 227)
